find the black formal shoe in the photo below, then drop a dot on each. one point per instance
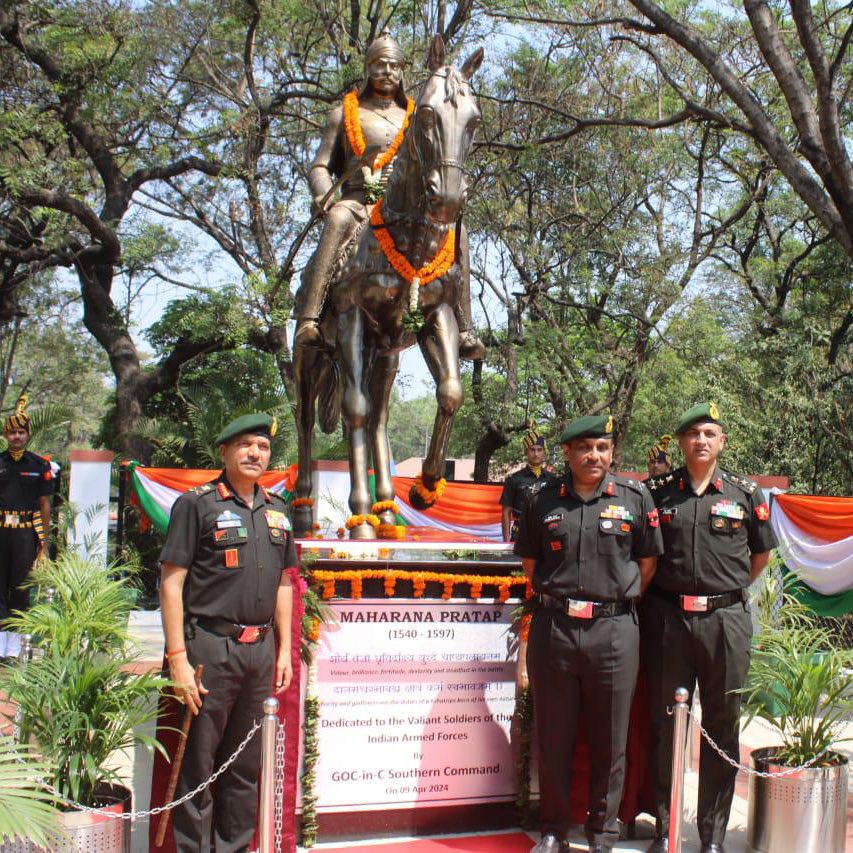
(547, 844)
(712, 848)
(659, 845)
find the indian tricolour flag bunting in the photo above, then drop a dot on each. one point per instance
(815, 540)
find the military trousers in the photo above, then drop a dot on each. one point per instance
(582, 670)
(680, 650)
(18, 550)
(238, 677)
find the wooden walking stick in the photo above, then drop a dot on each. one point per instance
(176, 765)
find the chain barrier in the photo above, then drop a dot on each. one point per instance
(144, 815)
(750, 771)
(278, 813)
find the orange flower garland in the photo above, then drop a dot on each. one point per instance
(383, 506)
(436, 268)
(301, 502)
(352, 128)
(356, 577)
(356, 520)
(391, 531)
(429, 496)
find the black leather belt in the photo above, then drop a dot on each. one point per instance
(580, 609)
(224, 628)
(691, 603)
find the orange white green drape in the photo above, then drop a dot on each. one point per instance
(154, 490)
(815, 540)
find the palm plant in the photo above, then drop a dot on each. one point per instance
(798, 681)
(26, 809)
(79, 703)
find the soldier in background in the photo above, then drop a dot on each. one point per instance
(26, 487)
(658, 457)
(518, 484)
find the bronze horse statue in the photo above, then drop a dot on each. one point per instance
(374, 312)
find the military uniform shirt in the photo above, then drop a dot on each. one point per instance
(708, 538)
(518, 484)
(22, 483)
(235, 554)
(589, 549)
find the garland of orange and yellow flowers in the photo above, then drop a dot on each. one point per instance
(437, 267)
(355, 137)
(383, 531)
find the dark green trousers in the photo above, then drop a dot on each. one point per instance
(681, 650)
(582, 670)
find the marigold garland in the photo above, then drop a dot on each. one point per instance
(357, 520)
(429, 496)
(385, 506)
(391, 531)
(355, 136)
(355, 577)
(297, 502)
(436, 268)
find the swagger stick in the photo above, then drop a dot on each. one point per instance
(176, 765)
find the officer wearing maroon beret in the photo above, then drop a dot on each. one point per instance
(26, 486)
(695, 619)
(224, 590)
(589, 543)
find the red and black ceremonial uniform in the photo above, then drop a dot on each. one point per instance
(696, 626)
(583, 647)
(22, 484)
(235, 555)
(516, 489)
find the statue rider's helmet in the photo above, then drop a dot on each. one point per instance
(385, 45)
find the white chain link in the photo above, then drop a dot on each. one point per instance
(749, 770)
(142, 815)
(278, 812)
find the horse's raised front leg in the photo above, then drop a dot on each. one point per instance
(306, 365)
(381, 381)
(439, 342)
(355, 408)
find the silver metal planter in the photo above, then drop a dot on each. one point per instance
(86, 832)
(805, 812)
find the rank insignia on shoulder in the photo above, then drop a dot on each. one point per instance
(610, 488)
(202, 489)
(762, 511)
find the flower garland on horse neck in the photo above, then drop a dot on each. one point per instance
(415, 278)
(355, 137)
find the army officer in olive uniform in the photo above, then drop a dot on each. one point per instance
(518, 484)
(695, 620)
(224, 589)
(589, 542)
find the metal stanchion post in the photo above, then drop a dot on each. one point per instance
(269, 728)
(24, 657)
(676, 797)
(691, 726)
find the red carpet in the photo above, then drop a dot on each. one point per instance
(516, 842)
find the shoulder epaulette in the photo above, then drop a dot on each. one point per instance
(202, 489)
(634, 485)
(655, 483)
(749, 486)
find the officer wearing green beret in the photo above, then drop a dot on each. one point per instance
(518, 484)
(224, 589)
(589, 543)
(695, 619)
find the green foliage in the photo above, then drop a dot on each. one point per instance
(26, 809)
(799, 680)
(80, 703)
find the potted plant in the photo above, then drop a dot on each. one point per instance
(79, 701)
(801, 684)
(27, 812)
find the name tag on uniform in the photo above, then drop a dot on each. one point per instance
(694, 603)
(579, 609)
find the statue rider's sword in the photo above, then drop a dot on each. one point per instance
(371, 152)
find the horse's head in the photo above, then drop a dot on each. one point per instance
(443, 126)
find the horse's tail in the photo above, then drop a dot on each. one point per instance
(329, 397)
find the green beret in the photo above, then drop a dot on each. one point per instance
(702, 412)
(257, 424)
(592, 426)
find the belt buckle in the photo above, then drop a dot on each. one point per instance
(249, 634)
(579, 609)
(13, 519)
(695, 603)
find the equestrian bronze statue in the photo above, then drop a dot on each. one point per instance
(397, 281)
